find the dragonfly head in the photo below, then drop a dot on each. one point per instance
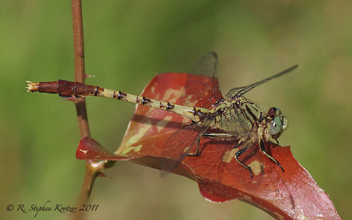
(277, 122)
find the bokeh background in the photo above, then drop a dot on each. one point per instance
(129, 42)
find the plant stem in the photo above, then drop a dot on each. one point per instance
(81, 109)
(79, 66)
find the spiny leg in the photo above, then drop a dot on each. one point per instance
(277, 141)
(240, 152)
(197, 150)
(238, 144)
(214, 135)
(262, 148)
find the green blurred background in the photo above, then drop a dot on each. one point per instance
(129, 42)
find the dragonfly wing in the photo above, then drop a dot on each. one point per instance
(240, 91)
(202, 88)
(178, 146)
(234, 91)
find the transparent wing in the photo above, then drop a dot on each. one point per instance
(234, 122)
(202, 88)
(240, 91)
(178, 146)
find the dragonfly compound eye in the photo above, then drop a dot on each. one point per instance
(273, 112)
(275, 126)
(284, 123)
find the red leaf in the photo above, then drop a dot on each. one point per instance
(292, 194)
(89, 148)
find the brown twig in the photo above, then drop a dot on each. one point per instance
(92, 170)
(79, 65)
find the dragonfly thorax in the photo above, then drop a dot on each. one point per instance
(259, 124)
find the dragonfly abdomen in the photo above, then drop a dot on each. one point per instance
(75, 89)
(64, 88)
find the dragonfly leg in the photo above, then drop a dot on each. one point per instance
(238, 144)
(262, 148)
(277, 142)
(197, 150)
(241, 151)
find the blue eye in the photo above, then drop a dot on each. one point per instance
(275, 126)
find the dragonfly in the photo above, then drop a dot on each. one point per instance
(233, 117)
